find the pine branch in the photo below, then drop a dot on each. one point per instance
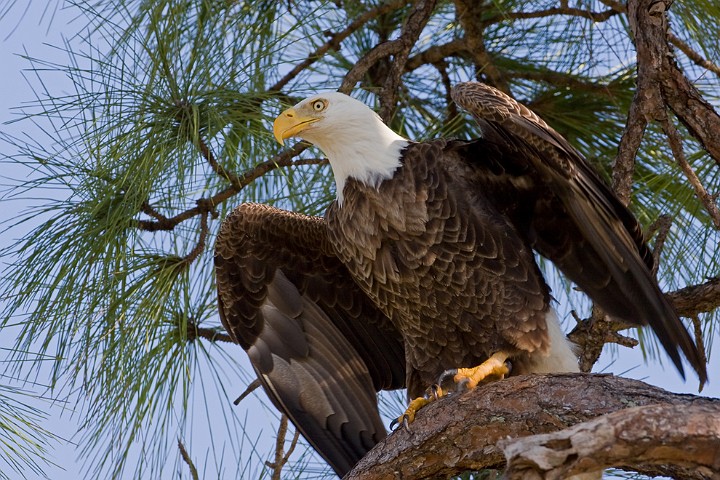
(553, 12)
(211, 334)
(212, 161)
(662, 227)
(591, 334)
(693, 55)
(708, 201)
(416, 21)
(368, 60)
(695, 299)
(653, 436)
(436, 53)
(254, 385)
(200, 245)
(335, 41)
(464, 432)
(282, 457)
(468, 13)
(207, 205)
(660, 80)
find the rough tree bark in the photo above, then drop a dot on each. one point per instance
(652, 436)
(469, 431)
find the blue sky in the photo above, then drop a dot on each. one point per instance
(38, 33)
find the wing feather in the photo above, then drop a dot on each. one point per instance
(319, 346)
(570, 215)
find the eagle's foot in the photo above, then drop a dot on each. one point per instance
(431, 394)
(494, 368)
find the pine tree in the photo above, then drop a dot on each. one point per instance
(110, 295)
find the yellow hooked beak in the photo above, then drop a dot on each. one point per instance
(289, 123)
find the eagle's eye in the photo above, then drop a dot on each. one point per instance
(319, 105)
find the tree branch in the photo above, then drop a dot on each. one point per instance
(661, 79)
(653, 436)
(551, 12)
(207, 205)
(695, 299)
(335, 41)
(416, 21)
(661, 226)
(254, 385)
(708, 201)
(194, 331)
(590, 335)
(699, 340)
(200, 245)
(468, 11)
(400, 48)
(281, 457)
(212, 161)
(693, 55)
(461, 432)
(436, 54)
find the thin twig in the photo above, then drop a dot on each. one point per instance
(436, 54)
(194, 331)
(148, 210)
(254, 385)
(293, 444)
(551, 12)
(335, 40)
(693, 55)
(709, 201)
(212, 161)
(560, 79)
(207, 205)
(662, 226)
(697, 327)
(200, 246)
(280, 457)
(441, 67)
(188, 460)
(467, 12)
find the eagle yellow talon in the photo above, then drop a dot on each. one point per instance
(492, 368)
(412, 409)
(433, 393)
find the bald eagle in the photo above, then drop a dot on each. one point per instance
(424, 264)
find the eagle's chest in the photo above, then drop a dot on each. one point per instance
(401, 244)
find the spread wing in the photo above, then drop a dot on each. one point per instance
(318, 345)
(570, 215)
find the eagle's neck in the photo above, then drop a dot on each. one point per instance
(368, 152)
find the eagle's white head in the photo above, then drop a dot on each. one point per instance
(353, 137)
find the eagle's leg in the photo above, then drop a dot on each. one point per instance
(494, 368)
